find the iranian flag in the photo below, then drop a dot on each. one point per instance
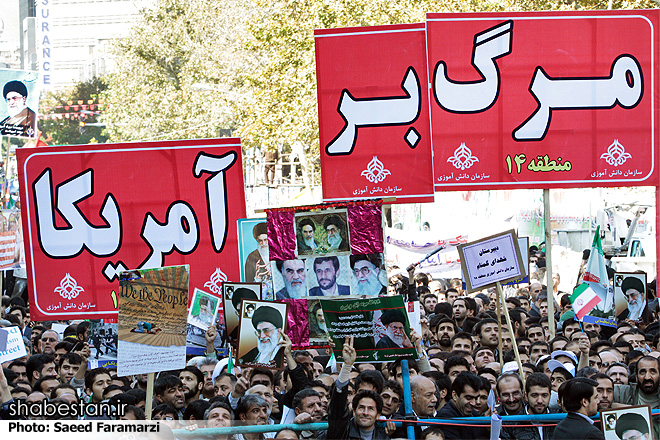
(595, 272)
(584, 299)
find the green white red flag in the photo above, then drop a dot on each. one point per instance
(584, 299)
(595, 271)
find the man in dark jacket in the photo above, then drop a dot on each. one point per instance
(464, 396)
(538, 389)
(580, 399)
(367, 407)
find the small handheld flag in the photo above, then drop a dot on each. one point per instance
(584, 299)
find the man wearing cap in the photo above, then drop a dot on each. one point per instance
(560, 373)
(395, 330)
(635, 292)
(240, 294)
(632, 426)
(326, 270)
(334, 226)
(366, 269)
(268, 322)
(306, 240)
(22, 121)
(257, 267)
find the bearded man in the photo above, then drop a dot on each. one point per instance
(22, 121)
(306, 241)
(645, 390)
(366, 269)
(334, 226)
(635, 292)
(293, 272)
(268, 323)
(395, 334)
(446, 331)
(257, 267)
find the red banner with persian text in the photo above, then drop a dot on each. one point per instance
(374, 113)
(553, 99)
(92, 211)
(517, 100)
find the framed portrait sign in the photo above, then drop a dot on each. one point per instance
(319, 233)
(260, 323)
(232, 295)
(203, 309)
(253, 254)
(631, 422)
(630, 296)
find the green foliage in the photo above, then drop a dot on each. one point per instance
(69, 131)
(174, 72)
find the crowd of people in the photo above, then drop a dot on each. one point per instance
(463, 354)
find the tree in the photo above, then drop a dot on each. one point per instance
(174, 71)
(68, 113)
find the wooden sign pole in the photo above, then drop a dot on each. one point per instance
(499, 329)
(500, 296)
(150, 395)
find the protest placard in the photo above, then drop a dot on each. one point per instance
(631, 422)
(289, 279)
(233, 294)
(4, 335)
(318, 330)
(260, 324)
(329, 275)
(630, 296)
(523, 245)
(306, 323)
(253, 251)
(380, 327)
(490, 260)
(374, 126)
(340, 229)
(414, 316)
(91, 212)
(196, 339)
(103, 339)
(510, 97)
(322, 233)
(153, 305)
(203, 309)
(19, 113)
(59, 328)
(15, 346)
(12, 251)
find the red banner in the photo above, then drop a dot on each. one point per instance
(556, 99)
(517, 100)
(374, 113)
(92, 211)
